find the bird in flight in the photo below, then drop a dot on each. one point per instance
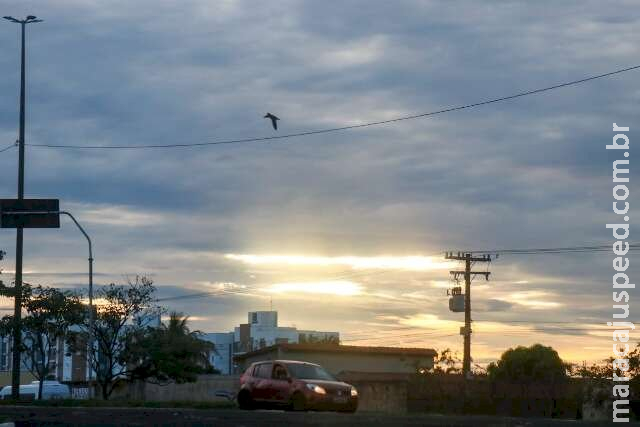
(274, 120)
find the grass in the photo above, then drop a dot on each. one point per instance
(70, 403)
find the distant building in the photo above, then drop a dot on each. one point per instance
(5, 360)
(340, 359)
(64, 365)
(221, 358)
(260, 331)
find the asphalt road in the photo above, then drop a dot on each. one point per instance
(43, 416)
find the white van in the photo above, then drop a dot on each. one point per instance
(50, 390)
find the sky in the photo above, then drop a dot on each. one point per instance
(341, 231)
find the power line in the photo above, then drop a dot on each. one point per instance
(530, 325)
(531, 251)
(399, 338)
(557, 250)
(342, 128)
(245, 289)
(536, 322)
(239, 291)
(8, 147)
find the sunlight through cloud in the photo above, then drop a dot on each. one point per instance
(410, 263)
(341, 288)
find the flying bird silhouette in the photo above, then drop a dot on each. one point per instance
(274, 120)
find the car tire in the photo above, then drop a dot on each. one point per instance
(245, 401)
(298, 402)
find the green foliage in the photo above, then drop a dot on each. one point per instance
(171, 353)
(446, 362)
(604, 371)
(119, 318)
(593, 371)
(535, 364)
(49, 314)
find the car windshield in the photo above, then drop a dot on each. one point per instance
(309, 372)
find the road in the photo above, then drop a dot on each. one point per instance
(56, 416)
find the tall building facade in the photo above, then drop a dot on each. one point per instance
(260, 331)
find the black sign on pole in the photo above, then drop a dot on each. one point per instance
(29, 213)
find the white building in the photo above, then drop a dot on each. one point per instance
(5, 359)
(63, 364)
(260, 331)
(222, 356)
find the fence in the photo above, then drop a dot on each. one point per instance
(399, 393)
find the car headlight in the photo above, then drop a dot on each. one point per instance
(354, 392)
(316, 389)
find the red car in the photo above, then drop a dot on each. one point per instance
(298, 386)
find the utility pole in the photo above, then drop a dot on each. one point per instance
(469, 260)
(17, 330)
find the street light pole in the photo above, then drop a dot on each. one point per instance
(17, 311)
(91, 314)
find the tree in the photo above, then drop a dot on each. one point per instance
(171, 353)
(49, 315)
(604, 371)
(124, 312)
(446, 362)
(528, 365)
(593, 371)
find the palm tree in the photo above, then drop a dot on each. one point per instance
(172, 352)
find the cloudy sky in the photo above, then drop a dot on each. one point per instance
(339, 231)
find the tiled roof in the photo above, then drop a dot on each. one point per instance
(329, 348)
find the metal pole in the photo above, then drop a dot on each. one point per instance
(91, 315)
(466, 360)
(17, 310)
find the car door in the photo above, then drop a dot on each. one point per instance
(279, 389)
(262, 376)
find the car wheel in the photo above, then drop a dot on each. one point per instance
(245, 401)
(298, 402)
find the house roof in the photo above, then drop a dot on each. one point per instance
(328, 348)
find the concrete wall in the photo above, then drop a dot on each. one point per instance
(378, 394)
(203, 390)
(446, 394)
(374, 394)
